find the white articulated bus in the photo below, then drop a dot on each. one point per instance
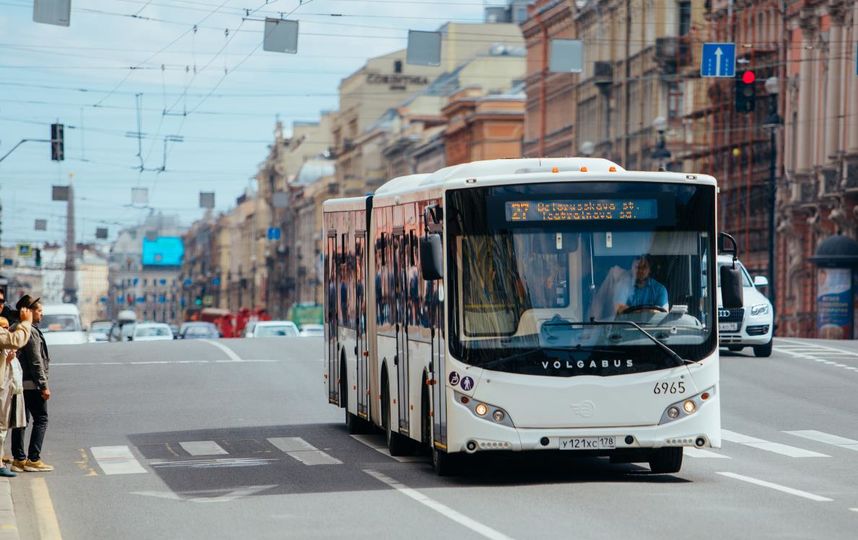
(525, 305)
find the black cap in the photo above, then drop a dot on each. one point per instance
(26, 301)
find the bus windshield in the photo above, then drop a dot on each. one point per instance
(570, 279)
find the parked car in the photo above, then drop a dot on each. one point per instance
(752, 324)
(312, 330)
(198, 330)
(147, 331)
(272, 329)
(99, 331)
(61, 325)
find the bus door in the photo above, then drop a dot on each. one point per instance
(331, 290)
(361, 347)
(400, 289)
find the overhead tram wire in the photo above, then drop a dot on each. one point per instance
(165, 47)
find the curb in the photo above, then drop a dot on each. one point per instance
(8, 521)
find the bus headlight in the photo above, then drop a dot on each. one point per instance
(686, 407)
(485, 411)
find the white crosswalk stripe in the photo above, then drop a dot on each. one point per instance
(203, 448)
(306, 453)
(116, 460)
(826, 438)
(761, 444)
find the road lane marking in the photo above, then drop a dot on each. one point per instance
(226, 350)
(162, 362)
(444, 510)
(306, 453)
(827, 438)
(203, 448)
(49, 527)
(814, 346)
(777, 487)
(207, 495)
(368, 440)
(777, 448)
(210, 463)
(700, 453)
(116, 460)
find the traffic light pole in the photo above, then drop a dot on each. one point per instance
(22, 141)
(773, 195)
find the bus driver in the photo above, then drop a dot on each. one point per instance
(646, 290)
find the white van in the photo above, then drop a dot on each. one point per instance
(61, 325)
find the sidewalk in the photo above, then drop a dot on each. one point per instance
(8, 522)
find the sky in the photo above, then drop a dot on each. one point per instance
(197, 70)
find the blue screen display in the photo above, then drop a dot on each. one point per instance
(163, 251)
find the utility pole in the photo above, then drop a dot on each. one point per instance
(69, 279)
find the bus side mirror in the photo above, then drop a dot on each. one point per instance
(731, 287)
(431, 257)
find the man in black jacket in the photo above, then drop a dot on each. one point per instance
(35, 362)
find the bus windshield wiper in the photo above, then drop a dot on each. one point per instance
(592, 322)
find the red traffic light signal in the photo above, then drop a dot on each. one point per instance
(748, 77)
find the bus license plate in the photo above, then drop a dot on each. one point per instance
(728, 326)
(588, 443)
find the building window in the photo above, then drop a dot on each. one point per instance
(684, 18)
(397, 66)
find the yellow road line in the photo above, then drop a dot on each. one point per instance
(49, 527)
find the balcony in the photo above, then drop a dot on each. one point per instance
(672, 53)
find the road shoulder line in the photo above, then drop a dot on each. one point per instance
(49, 527)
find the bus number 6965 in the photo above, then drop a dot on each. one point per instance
(673, 387)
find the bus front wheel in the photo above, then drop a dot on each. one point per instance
(445, 464)
(666, 460)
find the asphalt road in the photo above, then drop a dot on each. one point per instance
(235, 439)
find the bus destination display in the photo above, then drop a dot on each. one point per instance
(582, 210)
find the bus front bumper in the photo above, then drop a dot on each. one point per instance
(468, 433)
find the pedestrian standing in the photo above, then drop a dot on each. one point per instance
(35, 362)
(10, 341)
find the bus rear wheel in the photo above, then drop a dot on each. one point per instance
(397, 444)
(666, 460)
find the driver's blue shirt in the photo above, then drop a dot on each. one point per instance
(651, 293)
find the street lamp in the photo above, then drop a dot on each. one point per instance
(772, 123)
(587, 148)
(661, 154)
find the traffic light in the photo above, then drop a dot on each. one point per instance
(57, 143)
(746, 91)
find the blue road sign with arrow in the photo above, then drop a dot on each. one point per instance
(718, 60)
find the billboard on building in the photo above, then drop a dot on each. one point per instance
(163, 251)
